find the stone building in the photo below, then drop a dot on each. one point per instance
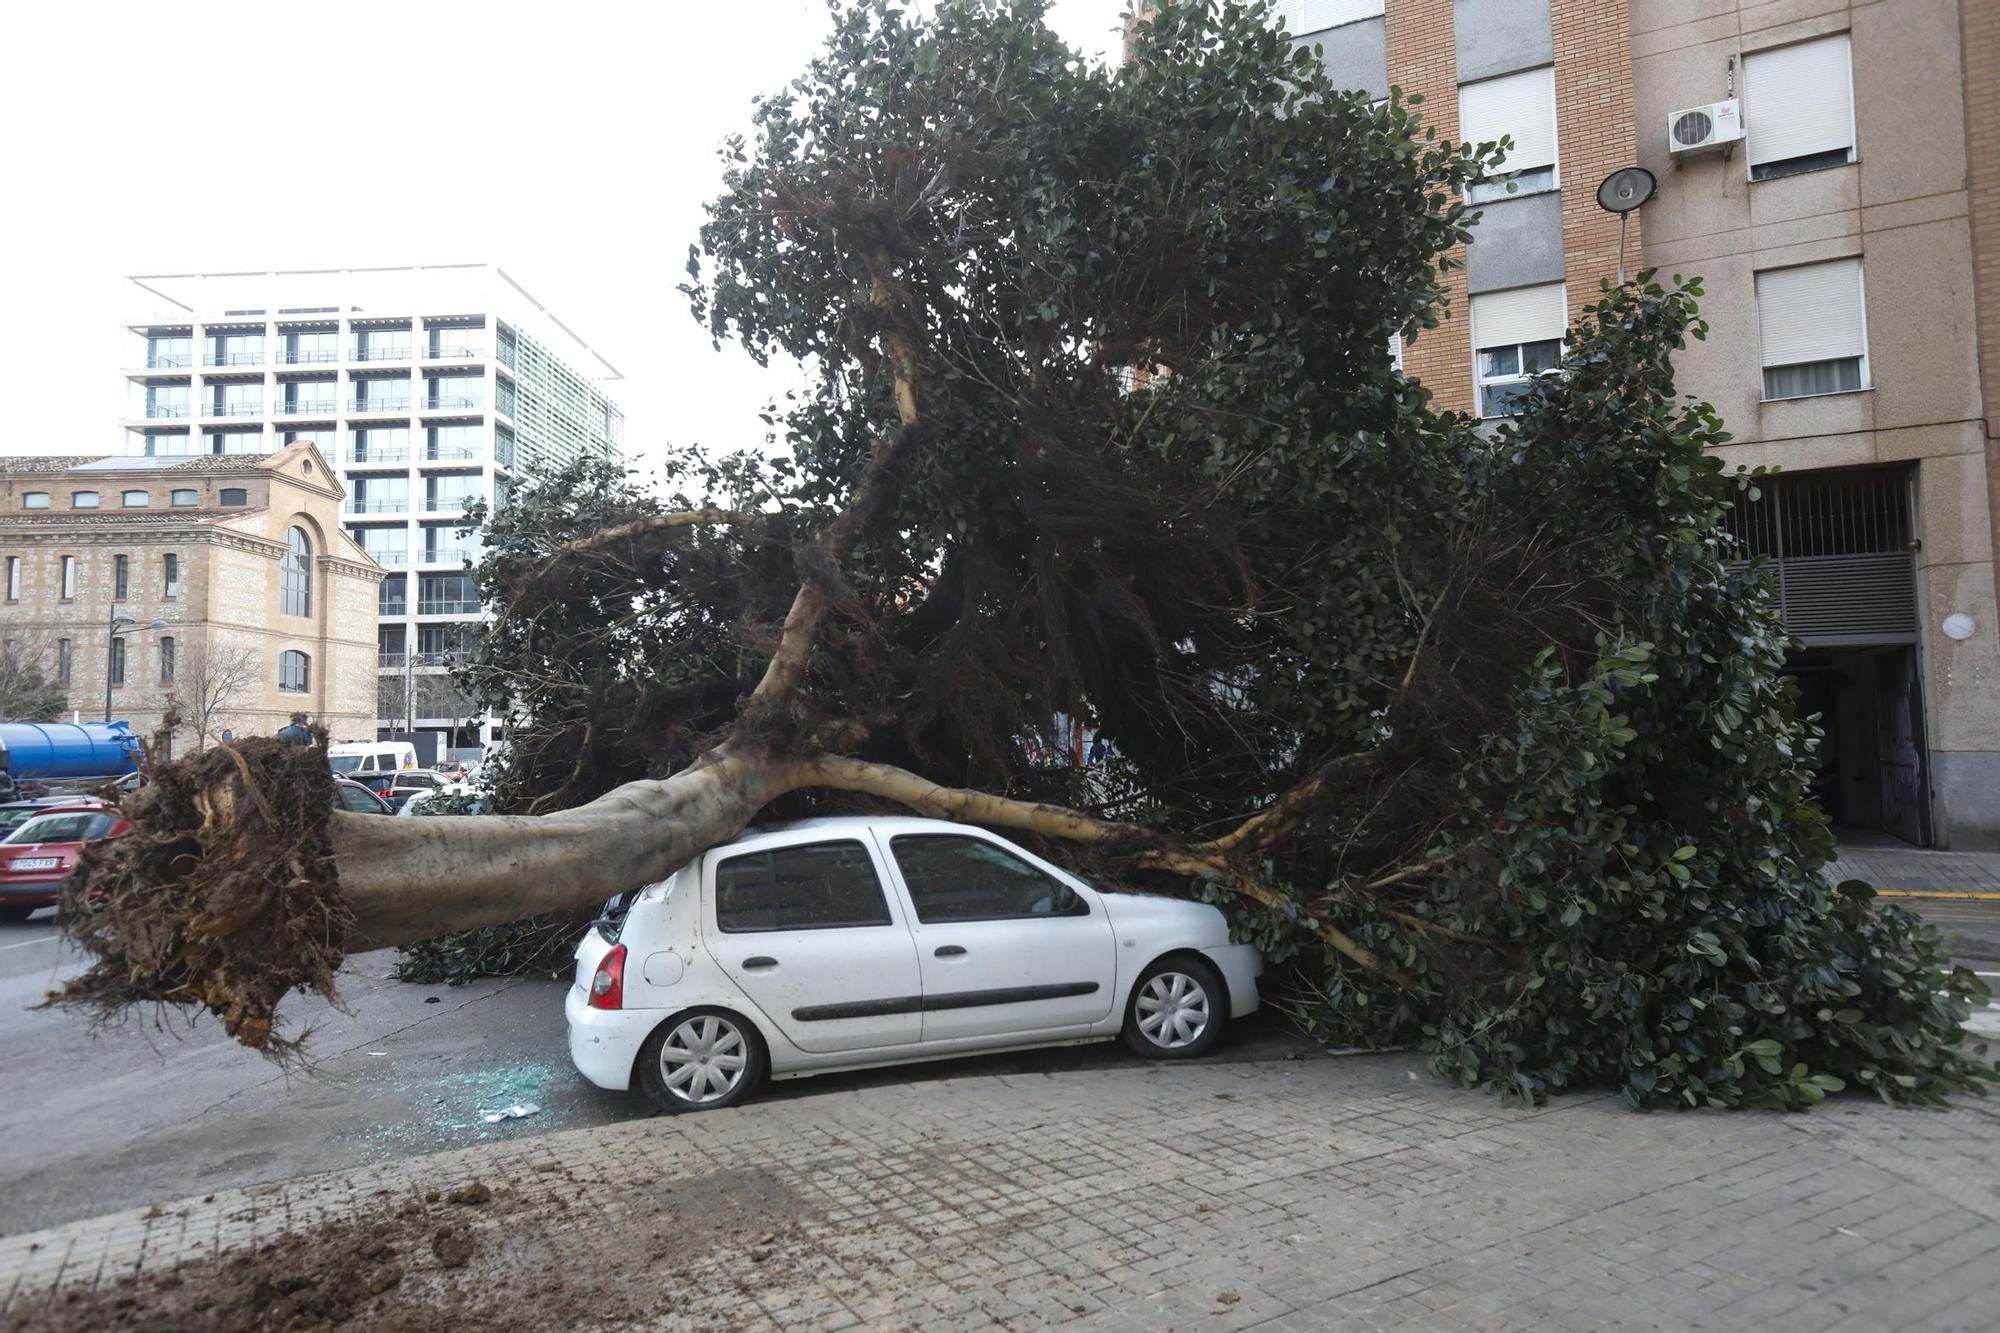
(233, 590)
(1830, 169)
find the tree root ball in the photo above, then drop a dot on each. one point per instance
(222, 897)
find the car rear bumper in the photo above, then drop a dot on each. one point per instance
(1240, 965)
(603, 1043)
(30, 892)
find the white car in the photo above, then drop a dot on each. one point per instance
(833, 944)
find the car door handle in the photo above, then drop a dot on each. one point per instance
(950, 951)
(760, 961)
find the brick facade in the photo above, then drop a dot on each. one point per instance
(1596, 134)
(1979, 50)
(1423, 60)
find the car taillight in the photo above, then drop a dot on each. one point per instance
(607, 988)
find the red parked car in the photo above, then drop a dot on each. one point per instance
(35, 858)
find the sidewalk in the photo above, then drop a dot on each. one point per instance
(1286, 1196)
(1894, 867)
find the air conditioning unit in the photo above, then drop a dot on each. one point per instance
(1701, 127)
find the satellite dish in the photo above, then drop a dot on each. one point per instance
(1625, 189)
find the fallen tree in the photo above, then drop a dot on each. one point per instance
(1479, 734)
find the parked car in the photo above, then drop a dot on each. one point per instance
(451, 770)
(16, 813)
(357, 798)
(835, 944)
(402, 786)
(35, 858)
(372, 763)
(414, 804)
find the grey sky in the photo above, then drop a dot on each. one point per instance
(571, 144)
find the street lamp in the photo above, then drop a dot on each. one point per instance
(115, 625)
(1622, 192)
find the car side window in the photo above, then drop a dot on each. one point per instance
(357, 800)
(819, 886)
(954, 878)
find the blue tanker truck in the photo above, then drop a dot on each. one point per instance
(37, 755)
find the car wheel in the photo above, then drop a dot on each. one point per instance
(1177, 1010)
(702, 1060)
(14, 914)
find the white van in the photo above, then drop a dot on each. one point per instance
(357, 759)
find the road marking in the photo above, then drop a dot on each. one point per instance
(1966, 895)
(46, 939)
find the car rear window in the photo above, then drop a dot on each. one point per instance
(70, 826)
(820, 886)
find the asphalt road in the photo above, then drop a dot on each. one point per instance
(159, 1109)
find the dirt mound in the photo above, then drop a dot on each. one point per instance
(222, 897)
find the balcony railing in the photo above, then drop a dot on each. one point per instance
(450, 555)
(371, 457)
(439, 350)
(235, 409)
(380, 405)
(310, 407)
(397, 506)
(397, 608)
(392, 659)
(447, 606)
(448, 453)
(400, 352)
(395, 557)
(309, 356)
(169, 360)
(233, 359)
(166, 411)
(448, 402)
(440, 504)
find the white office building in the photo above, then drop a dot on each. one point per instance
(428, 387)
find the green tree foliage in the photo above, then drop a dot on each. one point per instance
(1479, 733)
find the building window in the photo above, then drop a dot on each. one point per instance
(234, 442)
(447, 594)
(62, 661)
(294, 671)
(385, 546)
(168, 444)
(1518, 106)
(234, 495)
(137, 499)
(121, 577)
(166, 401)
(454, 442)
(170, 570)
(167, 660)
(1812, 329)
(390, 394)
(295, 597)
(381, 444)
(503, 395)
(314, 348)
(503, 446)
(169, 351)
(68, 577)
(394, 597)
(308, 398)
(183, 499)
(458, 341)
(236, 349)
(1518, 335)
(236, 400)
(1799, 108)
(454, 392)
(1304, 16)
(321, 440)
(382, 345)
(13, 578)
(35, 500)
(118, 661)
(83, 500)
(380, 495)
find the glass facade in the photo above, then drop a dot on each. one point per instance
(244, 348)
(382, 394)
(382, 345)
(380, 495)
(447, 594)
(310, 398)
(456, 341)
(319, 346)
(454, 392)
(167, 400)
(452, 491)
(233, 442)
(236, 400)
(320, 438)
(394, 596)
(443, 545)
(453, 641)
(447, 442)
(170, 351)
(386, 546)
(380, 444)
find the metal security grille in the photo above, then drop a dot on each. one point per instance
(1841, 544)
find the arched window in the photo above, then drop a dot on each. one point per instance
(294, 672)
(167, 659)
(297, 579)
(183, 499)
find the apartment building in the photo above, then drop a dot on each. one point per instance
(1831, 170)
(430, 388)
(221, 585)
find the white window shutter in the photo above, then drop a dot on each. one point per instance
(1810, 313)
(1521, 315)
(1799, 100)
(1304, 16)
(1522, 105)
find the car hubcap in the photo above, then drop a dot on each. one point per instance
(1173, 1010)
(703, 1059)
